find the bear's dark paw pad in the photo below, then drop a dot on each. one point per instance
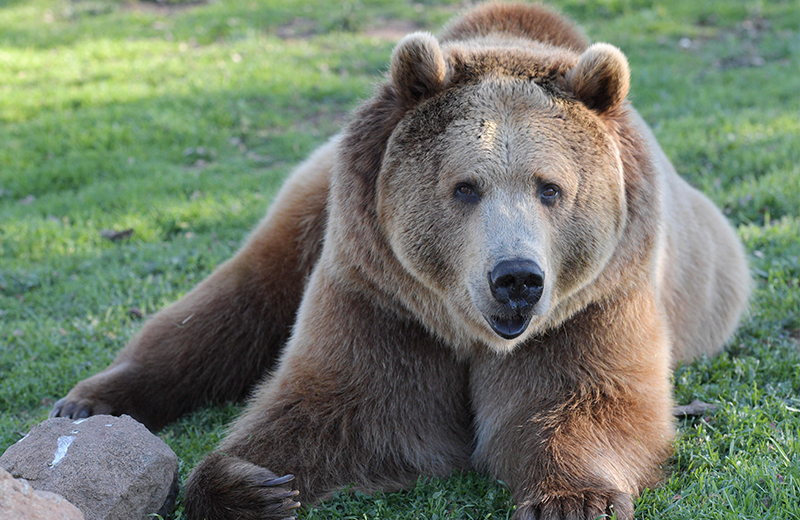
(585, 506)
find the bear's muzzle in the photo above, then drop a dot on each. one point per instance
(516, 284)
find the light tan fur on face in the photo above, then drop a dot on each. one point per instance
(450, 249)
(375, 276)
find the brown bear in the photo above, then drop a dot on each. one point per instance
(494, 266)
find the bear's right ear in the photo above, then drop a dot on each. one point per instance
(418, 68)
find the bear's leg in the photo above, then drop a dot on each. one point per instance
(218, 340)
(361, 396)
(578, 421)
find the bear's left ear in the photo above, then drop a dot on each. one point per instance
(418, 67)
(601, 78)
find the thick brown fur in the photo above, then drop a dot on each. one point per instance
(507, 137)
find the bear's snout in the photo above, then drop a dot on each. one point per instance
(517, 285)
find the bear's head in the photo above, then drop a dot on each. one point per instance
(501, 188)
(492, 186)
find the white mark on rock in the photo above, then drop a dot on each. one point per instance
(63, 445)
(80, 421)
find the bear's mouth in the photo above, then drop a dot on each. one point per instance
(509, 327)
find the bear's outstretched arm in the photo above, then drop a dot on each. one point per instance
(373, 402)
(219, 340)
(577, 422)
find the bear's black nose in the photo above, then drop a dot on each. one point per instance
(517, 283)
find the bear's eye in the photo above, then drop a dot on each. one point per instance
(549, 193)
(466, 192)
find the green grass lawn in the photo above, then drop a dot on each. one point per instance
(181, 120)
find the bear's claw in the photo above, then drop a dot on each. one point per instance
(57, 407)
(286, 505)
(279, 481)
(288, 494)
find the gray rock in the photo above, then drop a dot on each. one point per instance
(111, 468)
(19, 501)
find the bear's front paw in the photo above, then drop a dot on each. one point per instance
(224, 487)
(590, 505)
(78, 408)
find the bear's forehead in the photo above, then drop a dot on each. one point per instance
(499, 146)
(504, 124)
(518, 58)
(497, 103)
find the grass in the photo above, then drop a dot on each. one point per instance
(180, 120)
